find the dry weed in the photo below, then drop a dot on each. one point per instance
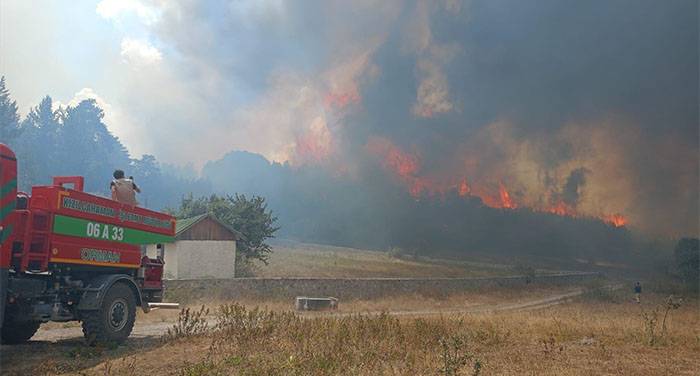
(189, 323)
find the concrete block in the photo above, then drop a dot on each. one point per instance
(304, 303)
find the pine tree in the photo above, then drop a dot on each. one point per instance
(45, 118)
(9, 118)
(89, 148)
(40, 127)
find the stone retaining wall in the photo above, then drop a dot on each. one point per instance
(351, 288)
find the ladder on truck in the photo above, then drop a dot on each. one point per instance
(34, 234)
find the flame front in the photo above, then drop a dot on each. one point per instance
(406, 167)
(561, 208)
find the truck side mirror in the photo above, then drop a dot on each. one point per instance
(22, 202)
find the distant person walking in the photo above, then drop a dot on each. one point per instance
(124, 190)
(637, 291)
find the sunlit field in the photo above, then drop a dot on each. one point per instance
(293, 259)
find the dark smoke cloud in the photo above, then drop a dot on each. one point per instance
(536, 94)
(603, 87)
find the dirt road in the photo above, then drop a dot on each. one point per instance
(145, 330)
(519, 306)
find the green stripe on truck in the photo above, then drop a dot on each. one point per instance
(95, 230)
(7, 188)
(4, 211)
(6, 232)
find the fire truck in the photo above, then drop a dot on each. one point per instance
(67, 255)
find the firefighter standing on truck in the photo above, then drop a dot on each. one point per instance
(124, 190)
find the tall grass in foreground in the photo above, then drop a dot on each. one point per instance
(598, 334)
(263, 342)
(585, 338)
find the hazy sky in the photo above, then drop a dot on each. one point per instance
(190, 80)
(71, 51)
(187, 81)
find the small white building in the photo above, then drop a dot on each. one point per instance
(204, 248)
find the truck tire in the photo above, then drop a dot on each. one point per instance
(113, 322)
(18, 332)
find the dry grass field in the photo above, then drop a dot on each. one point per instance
(595, 335)
(599, 333)
(293, 259)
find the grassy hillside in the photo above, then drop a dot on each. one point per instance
(293, 259)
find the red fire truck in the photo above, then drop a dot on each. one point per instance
(68, 255)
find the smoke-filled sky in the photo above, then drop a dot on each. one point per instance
(574, 106)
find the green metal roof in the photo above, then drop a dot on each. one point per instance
(181, 225)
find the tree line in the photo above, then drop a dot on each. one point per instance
(74, 140)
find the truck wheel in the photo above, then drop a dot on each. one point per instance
(18, 332)
(112, 323)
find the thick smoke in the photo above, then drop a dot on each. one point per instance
(591, 103)
(571, 192)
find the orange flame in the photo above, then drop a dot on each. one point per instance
(463, 188)
(498, 200)
(562, 209)
(565, 210)
(406, 167)
(615, 220)
(506, 201)
(403, 164)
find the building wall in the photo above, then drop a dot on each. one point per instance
(198, 259)
(203, 259)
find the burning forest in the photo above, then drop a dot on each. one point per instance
(429, 109)
(448, 131)
(433, 125)
(406, 168)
